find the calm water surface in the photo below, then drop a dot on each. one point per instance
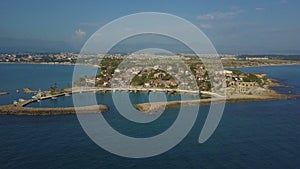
(250, 135)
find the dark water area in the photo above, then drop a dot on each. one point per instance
(34, 76)
(262, 134)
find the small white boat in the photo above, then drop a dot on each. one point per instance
(15, 102)
(22, 100)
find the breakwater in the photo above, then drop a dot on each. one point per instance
(20, 109)
(153, 107)
(16, 110)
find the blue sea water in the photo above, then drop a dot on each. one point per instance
(250, 135)
(34, 76)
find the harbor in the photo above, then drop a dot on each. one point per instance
(19, 107)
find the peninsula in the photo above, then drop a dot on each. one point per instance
(155, 76)
(137, 75)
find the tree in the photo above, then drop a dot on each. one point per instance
(236, 72)
(53, 88)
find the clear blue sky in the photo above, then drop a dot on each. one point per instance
(234, 26)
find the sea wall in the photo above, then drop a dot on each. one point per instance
(151, 108)
(16, 110)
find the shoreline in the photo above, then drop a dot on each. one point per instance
(150, 108)
(271, 62)
(147, 107)
(21, 109)
(294, 62)
(271, 65)
(271, 94)
(47, 63)
(38, 63)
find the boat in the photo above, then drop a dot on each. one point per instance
(22, 100)
(3, 93)
(15, 102)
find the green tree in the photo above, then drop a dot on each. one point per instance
(236, 72)
(53, 88)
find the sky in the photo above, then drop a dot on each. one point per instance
(233, 26)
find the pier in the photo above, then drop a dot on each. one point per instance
(20, 109)
(135, 89)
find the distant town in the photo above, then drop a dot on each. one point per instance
(72, 57)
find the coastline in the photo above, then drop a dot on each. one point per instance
(147, 107)
(271, 65)
(266, 64)
(39, 63)
(48, 63)
(270, 94)
(20, 109)
(150, 108)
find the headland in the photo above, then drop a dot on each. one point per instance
(239, 86)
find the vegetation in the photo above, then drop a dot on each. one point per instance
(108, 67)
(53, 89)
(237, 72)
(158, 76)
(253, 78)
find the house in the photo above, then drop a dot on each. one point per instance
(147, 84)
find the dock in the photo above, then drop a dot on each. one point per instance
(19, 108)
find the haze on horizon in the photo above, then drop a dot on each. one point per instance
(250, 26)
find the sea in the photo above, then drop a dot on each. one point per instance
(260, 135)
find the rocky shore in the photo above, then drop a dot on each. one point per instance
(256, 93)
(148, 108)
(151, 108)
(259, 94)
